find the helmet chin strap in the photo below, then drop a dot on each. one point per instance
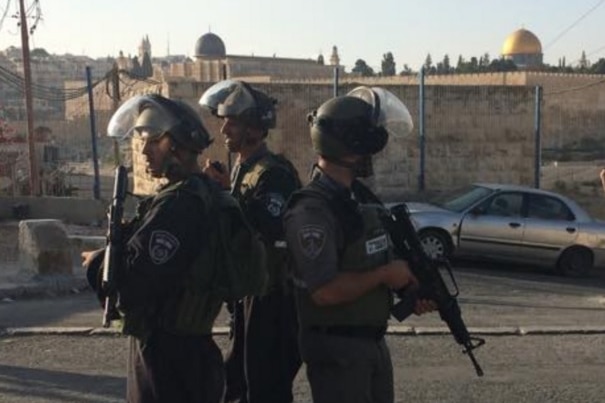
(344, 164)
(360, 168)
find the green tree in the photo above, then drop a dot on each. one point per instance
(473, 65)
(500, 65)
(362, 68)
(407, 71)
(136, 69)
(484, 61)
(598, 67)
(444, 66)
(146, 67)
(39, 52)
(583, 64)
(388, 64)
(428, 63)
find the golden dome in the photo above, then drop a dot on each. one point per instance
(521, 41)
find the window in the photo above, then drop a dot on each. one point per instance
(505, 205)
(548, 208)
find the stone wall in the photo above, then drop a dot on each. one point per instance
(472, 134)
(479, 127)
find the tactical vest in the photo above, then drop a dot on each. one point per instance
(193, 308)
(367, 249)
(276, 252)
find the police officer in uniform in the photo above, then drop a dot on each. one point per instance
(345, 269)
(162, 281)
(264, 358)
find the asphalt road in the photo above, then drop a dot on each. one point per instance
(545, 342)
(518, 369)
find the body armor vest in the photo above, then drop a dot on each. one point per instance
(193, 308)
(364, 249)
(244, 187)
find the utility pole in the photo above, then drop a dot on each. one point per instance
(115, 98)
(34, 188)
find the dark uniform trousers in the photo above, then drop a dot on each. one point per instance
(345, 367)
(163, 371)
(272, 360)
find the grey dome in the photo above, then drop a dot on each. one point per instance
(209, 45)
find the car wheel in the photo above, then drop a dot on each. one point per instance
(575, 262)
(435, 244)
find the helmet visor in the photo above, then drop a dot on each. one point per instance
(217, 94)
(228, 98)
(389, 112)
(141, 114)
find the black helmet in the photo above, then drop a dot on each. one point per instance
(232, 98)
(358, 123)
(153, 115)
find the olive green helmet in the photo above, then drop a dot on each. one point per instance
(358, 123)
(153, 115)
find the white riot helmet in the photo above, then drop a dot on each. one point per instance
(233, 98)
(151, 116)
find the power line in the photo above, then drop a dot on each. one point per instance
(17, 82)
(572, 89)
(566, 30)
(4, 13)
(47, 93)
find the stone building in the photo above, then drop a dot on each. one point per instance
(479, 127)
(212, 63)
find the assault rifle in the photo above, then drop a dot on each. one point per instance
(114, 245)
(426, 270)
(431, 283)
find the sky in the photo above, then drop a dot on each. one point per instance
(306, 28)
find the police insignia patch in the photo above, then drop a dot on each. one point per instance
(311, 239)
(162, 246)
(275, 204)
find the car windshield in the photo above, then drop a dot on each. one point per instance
(462, 198)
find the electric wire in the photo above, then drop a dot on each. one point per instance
(566, 30)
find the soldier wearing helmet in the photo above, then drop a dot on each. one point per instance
(263, 359)
(166, 308)
(344, 263)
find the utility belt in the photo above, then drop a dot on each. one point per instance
(359, 332)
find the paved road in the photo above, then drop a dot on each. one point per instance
(518, 369)
(545, 343)
(492, 297)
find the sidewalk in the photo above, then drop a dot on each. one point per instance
(13, 285)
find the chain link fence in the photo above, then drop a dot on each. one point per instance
(463, 133)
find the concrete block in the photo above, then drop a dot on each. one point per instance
(80, 243)
(44, 248)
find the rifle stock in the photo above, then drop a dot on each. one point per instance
(431, 283)
(114, 245)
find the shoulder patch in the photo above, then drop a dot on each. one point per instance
(274, 202)
(311, 239)
(162, 246)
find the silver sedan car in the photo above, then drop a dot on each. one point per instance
(511, 223)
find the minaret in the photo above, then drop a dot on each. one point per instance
(144, 47)
(335, 59)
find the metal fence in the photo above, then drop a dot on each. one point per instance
(563, 136)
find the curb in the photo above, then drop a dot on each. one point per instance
(44, 286)
(391, 331)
